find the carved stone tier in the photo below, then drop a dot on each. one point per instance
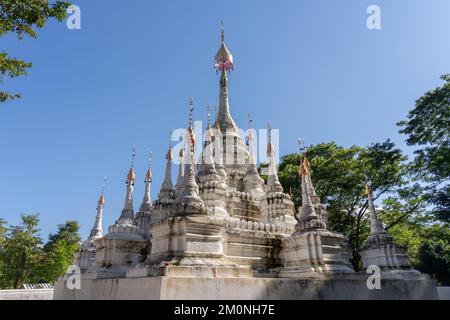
(313, 254)
(380, 250)
(191, 243)
(142, 220)
(214, 195)
(119, 250)
(255, 244)
(277, 207)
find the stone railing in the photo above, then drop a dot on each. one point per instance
(242, 195)
(259, 226)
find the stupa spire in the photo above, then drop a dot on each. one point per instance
(312, 213)
(127, 215)
(252, 180)
(167, 190)
(376, 228)
(190, 192)
(207, 167)
(223, 63)
(180, 177)
(273, 183)
(97, 230)
(147, 200)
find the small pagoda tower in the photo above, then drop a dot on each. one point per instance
(121, 247)
(380, 249)
(142, 219)
(313, 250)
(276, 206)
(85, 258)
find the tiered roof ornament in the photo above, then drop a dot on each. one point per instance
(207, 167)
(167, 191)
(147, 200)
(273, 183)
(311, 212)
(97, 230)
(377, 232)
(127, 215)
(252, 180)
(180, 177)
(189, 195)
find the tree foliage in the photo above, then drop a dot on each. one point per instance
(60, 249)
(428, 129)
(21, 253)
(435, 259)
(23, 17)
(24, 258)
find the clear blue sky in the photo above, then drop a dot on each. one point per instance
(311, 68)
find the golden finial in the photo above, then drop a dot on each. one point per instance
(306, 165)
(300, 169)
(169, 156)
(303, 168)
(101, 200)
(131, 175)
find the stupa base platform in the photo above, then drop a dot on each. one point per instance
(341, 287)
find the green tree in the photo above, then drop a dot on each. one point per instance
(434, 257)
(3, 230)
(339, 175)
(428, 128)
(59, 251)
(21, 253)
(22, 17)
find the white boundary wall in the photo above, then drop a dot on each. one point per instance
(22, 294)
(443, 293)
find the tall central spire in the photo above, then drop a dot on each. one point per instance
(224, 63)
